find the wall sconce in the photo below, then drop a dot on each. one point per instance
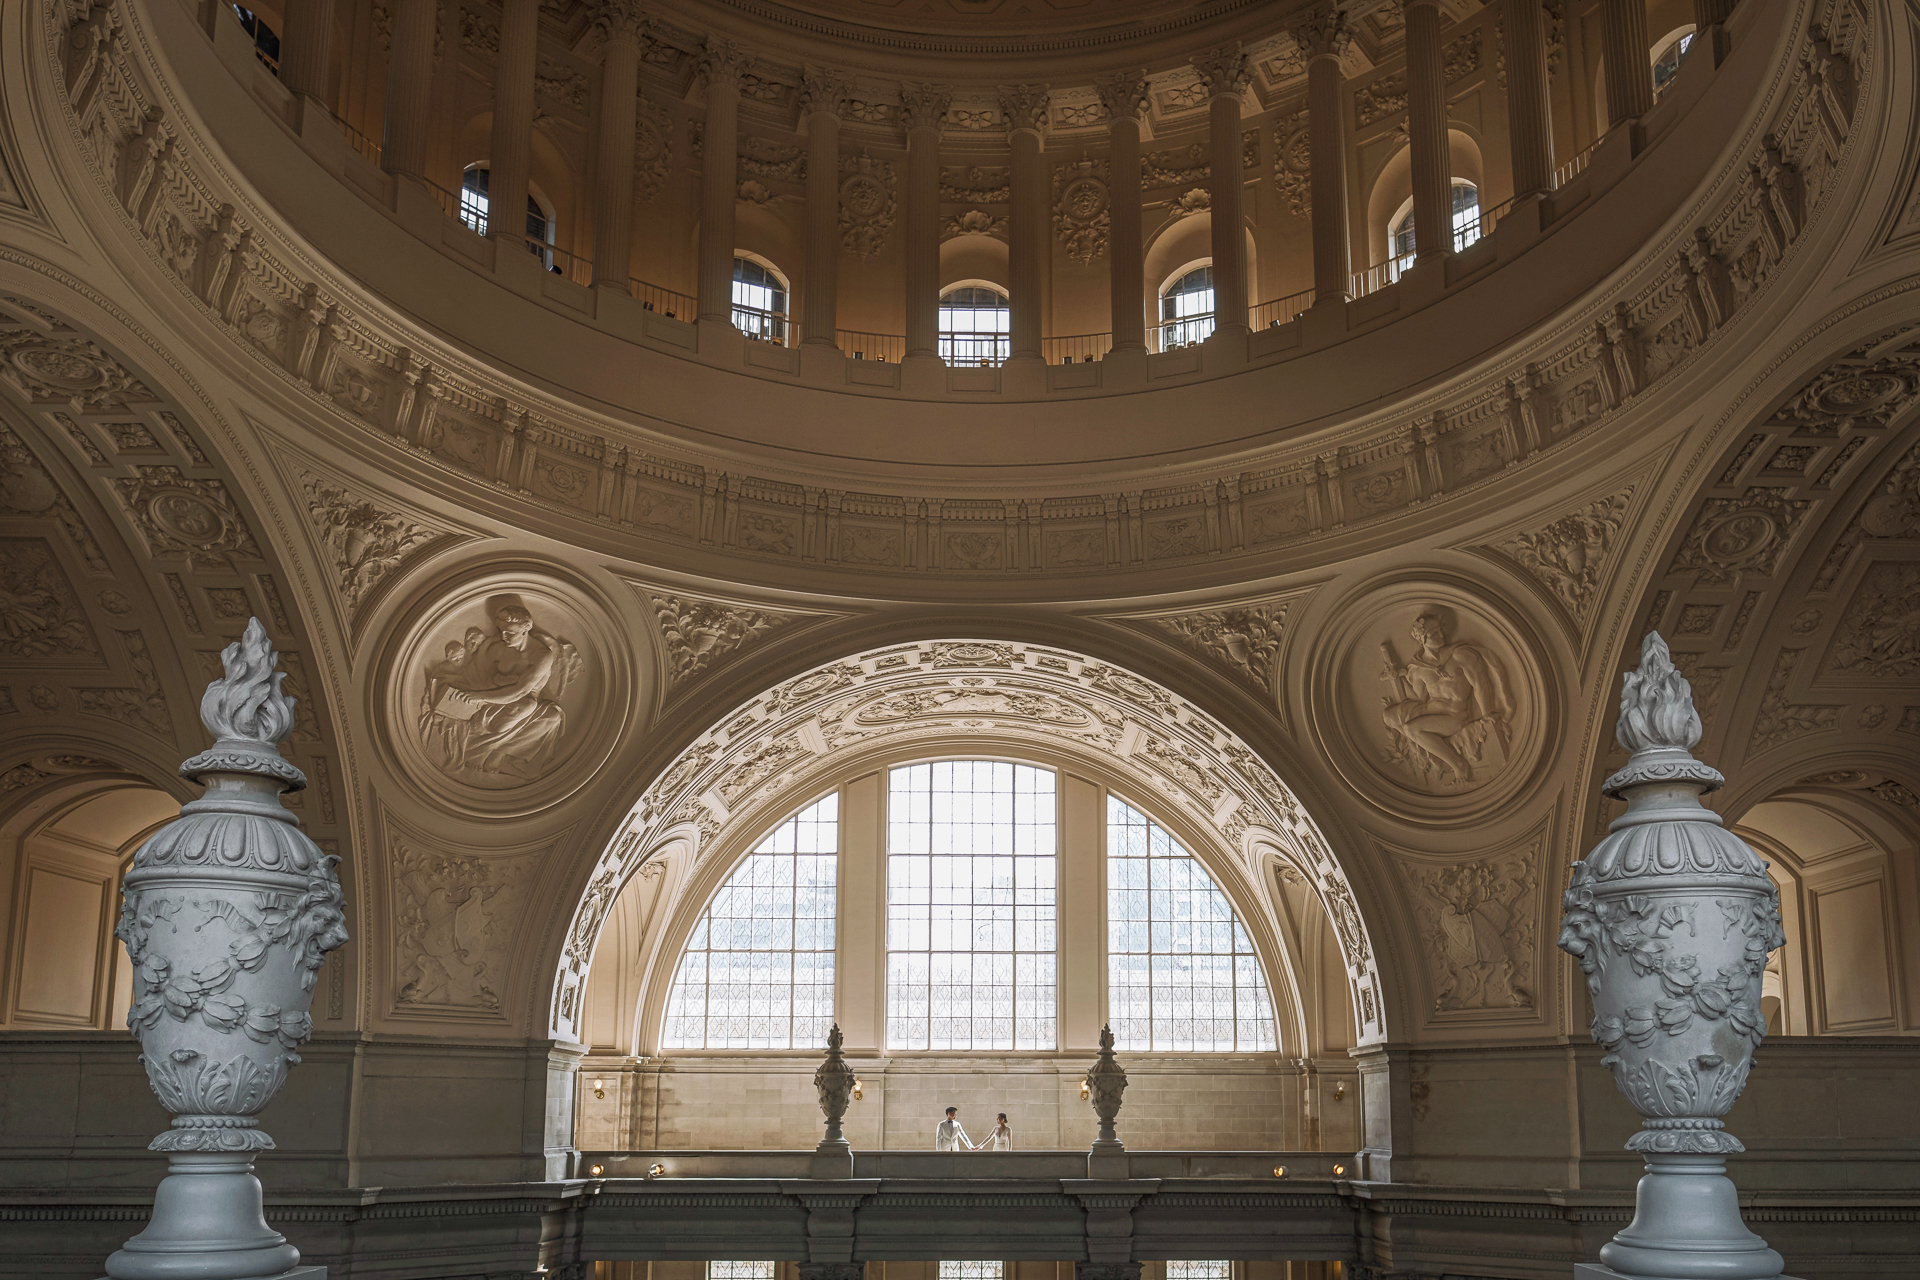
(655, 1170)
(1339, 1090)
(1085, 1091)
(859, 1089)
(1339, 1170)
(1279, 1171)
(599, 1087)
(596, 1170)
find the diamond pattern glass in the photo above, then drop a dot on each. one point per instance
(1199, 1271)
(740, 1270)
(970, 1271)
(971, 886)
(1182, 975)
(758, 969)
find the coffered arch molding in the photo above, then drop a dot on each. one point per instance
(754, 764)
(1238, 868)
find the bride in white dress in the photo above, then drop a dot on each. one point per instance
(1001, 1139)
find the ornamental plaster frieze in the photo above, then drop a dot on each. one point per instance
(485, 437)
(699, 632)
(759, 760)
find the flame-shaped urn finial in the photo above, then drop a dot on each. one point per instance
(1671, 918)
(227, 914)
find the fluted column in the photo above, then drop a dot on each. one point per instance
(306, 47)
(1026, 109)
(512, 160)
(820, 109)
(613, 175)
(1624, 49)
(1126, 102)
(403, 135)
(1227, 74)
(1323, 36)
(723, 63)
(1529, 118)
(924, 109)
(1427, 131)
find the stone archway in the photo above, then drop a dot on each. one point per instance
(756, 759)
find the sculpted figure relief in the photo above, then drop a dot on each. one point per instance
(490, 712)
(1450, 715)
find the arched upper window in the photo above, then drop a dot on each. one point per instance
(1466, 220)
(1186, 308)
(975, 325)
(758, 970)
(1181, 972)
(1667, 57)
(971, 884)
(474, 208)
(759, 300)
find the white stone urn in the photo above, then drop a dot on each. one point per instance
(834, 1081)
(1671, 918)
(227, 915)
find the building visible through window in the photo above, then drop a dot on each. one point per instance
(759, 301)
(975, 326)
(473, 209)
(1186, 309)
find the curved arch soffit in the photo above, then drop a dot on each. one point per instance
(754, 763)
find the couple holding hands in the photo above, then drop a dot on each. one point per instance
(948, 1135)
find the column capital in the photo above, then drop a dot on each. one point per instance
(1125, 95)
(1225, 70)
(1323, 32)
(620, 19)
(724, 60)
(1025, 106)
(924, 106)
(821, 90)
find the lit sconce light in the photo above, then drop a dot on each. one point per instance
(1085, 1091)
(655, 1170)
(599, 1087)
(859, 1089)
(1279, 1171)
(1339, 1170)
(596, 1170)
(1339, 1090)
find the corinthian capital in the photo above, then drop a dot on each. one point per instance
(924, 106)
(1025, 106)
(1125, 95)
(1322, 32)
(1225, 70)
(821, 89)
(620, 19)
(724, 60)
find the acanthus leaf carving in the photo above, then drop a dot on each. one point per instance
(40, 616)
(454, 925)
(866, 204)
(1568, 555)
(1879, 634)
(700, 633)
(1477, 922)
(179, 516)
(1247, 638)
(366, 543)
(145, 704)
(1780, 718)
(1740, 535)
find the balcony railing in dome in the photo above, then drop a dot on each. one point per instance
(763, 325)
(661, 300)
(975, 348)
(1575, 167)
(1078, 348)
(562, 262)
(884, 348)
(1187, 331)
(1271, 315)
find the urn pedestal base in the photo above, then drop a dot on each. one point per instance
(298, 1273)
(1596, 1271)
(208, 1223)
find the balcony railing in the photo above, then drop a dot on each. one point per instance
(1171, 335)
(359, 141)
(762, 325)
(562, 262)
(667, 302)
(1078, 348)
(1573, 168)
(888, 348)
(1271, 315)
(975, 348)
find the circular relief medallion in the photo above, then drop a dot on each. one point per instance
(1738, 536)
(186, 517)
(1084, 198)
(1859, 392)
(1890, 515)
(863, 195)
(1430, 702)
(61, 368)
(505, 696)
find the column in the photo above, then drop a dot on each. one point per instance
(1126, 102)
(1624, 50)
(512, 157)
(1227, 74)
(1529, 117)
(1323, 36)
(613, 165)
(821, 92)
(1427, 131)
(306, 48)
(723, 63)
(403, 136)
(924, 109)
(1026, 109)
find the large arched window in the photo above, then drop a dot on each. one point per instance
(1186, 308)
(1466, 221)
(474, 210)
(976, 324)
(759, 300)
(1666, 59)
(1182, 974)
(971, 883)
(758, 970)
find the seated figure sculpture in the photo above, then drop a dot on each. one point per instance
(490, 714)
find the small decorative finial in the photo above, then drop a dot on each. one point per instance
(248, 714)
(834, 1039)
(1106, 1037)
(1656, 703)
